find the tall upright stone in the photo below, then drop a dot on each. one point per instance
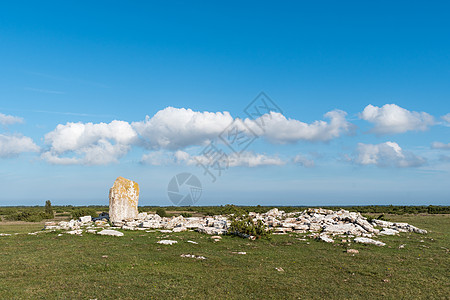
(123, 200)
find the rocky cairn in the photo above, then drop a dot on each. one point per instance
(123, 200)
(322, 224)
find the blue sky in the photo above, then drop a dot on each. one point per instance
(363, 90)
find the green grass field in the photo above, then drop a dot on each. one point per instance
(46, 266)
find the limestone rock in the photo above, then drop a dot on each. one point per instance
(85, 219)
(167, 242)
(123, 200)
(364, 240)
(353, 251)
(110, 232)
(387, 231)
(325, 238)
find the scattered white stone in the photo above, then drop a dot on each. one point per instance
(75, 232)
(325, 238)
(353, 251)
(110, 232)
(35, 233)
(388, 231)
(401, 246)
(179, 229)
(193, 256)
(192, 242)
(5, 234)
(165, 231)
(240, 253)
(167, 242)
(86, 219)
(279, 269)
(364, 240)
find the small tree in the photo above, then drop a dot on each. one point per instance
(49, 210)
(161, 212)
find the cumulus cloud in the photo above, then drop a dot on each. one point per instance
(279, 129)
(439, 145)
(391, 118)
(11, 145)
(8, 120)
(303, 161)
(388, 154)
(176, 128)
(245, 159)
(89, 143)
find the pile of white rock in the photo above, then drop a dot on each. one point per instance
(319, 223)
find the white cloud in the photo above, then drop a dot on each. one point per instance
(279, 129)
(388, 154)
(439, 145)
(176, 128)
(159, 158)
(446, 118)
(11, 145)
(391, 118)
(245, 159)
(303, 160)
(88, 143)
(8, 120)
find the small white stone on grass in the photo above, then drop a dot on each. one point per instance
(167, 242)
(75, 232)
(364, 240)
(193, 256)
(388, 231)
(192, 242)
(179, 229)
(326, 238)
(110, 232)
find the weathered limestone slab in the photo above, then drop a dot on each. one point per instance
(110, 232)
(123, 200)
(364, 240)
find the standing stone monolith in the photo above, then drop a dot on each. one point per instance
(123, 200)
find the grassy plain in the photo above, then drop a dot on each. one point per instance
(48, 266)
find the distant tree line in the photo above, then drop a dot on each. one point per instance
(39, 213)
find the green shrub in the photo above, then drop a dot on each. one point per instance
(161, 212)
(84, 211)
(28, 216)
(245, 227)
(231, 209)
(186, 215)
